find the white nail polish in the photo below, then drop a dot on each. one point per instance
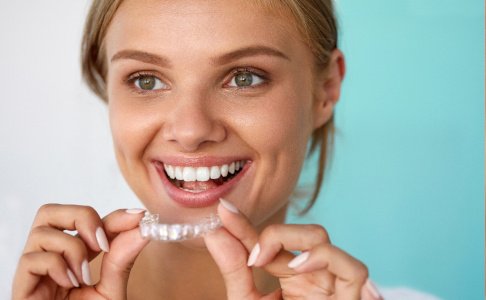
(228, 206)
(73, 279)
(253, 255)
(134, 211)
(299, 260)
(86, 273)
(102, 240)
(372, 289)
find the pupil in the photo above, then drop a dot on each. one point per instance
(147, 82)
(243, 79)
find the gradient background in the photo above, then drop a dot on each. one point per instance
(404, 192)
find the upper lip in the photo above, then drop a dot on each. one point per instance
(202, 161)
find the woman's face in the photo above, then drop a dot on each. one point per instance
(197, 88)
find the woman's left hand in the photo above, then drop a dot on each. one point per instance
(321, 271)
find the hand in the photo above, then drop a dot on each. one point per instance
(321, 271)
(54, 264)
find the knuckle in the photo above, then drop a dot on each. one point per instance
(362, 272)
(44, 209)
(318, 232)
(270, 231)
(88, 212)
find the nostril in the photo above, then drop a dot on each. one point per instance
(191, 135)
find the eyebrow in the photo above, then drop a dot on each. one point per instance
(248, 52)
(220, 60)
(142, 56)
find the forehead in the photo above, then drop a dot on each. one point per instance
(200, 26)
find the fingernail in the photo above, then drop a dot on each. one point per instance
(73, 279)
(253, 255)
(372, 289)
(228, 206)
(299, 260)
(134, 211)
(85, 273)
(102, 240)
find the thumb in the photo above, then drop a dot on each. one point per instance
(231, 258)
(124, 249)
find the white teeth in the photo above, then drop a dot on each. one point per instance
(171, 172)
(189, 174)
(202, 173)
(224, 170)
(231, 168)
(178, 173)
(215, 172)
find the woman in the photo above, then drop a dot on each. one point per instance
(207, 100)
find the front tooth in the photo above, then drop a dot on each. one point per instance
(232, 168)
(170, 171)
(189, 174)
(178, 173)
(215, 172)
(224, 170)
(202, 174)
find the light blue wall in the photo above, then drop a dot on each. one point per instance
(405, 191)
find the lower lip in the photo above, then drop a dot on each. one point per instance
(199, 199)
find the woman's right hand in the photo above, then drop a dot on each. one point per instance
(54, 264)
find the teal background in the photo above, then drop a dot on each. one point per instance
(405, 189)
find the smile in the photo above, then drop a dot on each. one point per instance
(198, 184)
(198, 179)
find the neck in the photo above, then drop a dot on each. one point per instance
(184, 271)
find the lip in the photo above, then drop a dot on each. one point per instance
(200, 199)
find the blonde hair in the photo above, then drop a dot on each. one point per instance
(315, 20)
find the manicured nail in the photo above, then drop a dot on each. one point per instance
(134, 211)
(372, 289)
(253, 255)
(228, 206)
(73, 279)
(102, 240)
(299, 260)
(85, 273)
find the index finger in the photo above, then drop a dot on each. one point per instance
(84, 219)
(241, 228)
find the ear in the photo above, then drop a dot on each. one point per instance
(328, 88)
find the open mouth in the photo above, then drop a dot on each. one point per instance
(200, 179)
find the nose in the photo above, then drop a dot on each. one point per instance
(192, 124)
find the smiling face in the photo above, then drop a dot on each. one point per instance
(209, 99)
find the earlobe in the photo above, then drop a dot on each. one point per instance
(328, 88)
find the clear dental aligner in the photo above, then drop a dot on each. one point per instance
(150, 228)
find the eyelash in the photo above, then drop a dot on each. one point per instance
(252, 71)
(262, 75)
(138, 75)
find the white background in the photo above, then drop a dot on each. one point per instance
(55, 143)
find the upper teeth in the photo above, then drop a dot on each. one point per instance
(202, 173)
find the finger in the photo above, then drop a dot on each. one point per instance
(275, 295)
(350, 273)
(291, 237)
(241, 228)
(84, 219)
(73, 249)
(125, 247)
(370, 292)
(237, 224)
(230, 256)
(36, 265)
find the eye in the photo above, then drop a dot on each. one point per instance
(148, 83)
(243, 79)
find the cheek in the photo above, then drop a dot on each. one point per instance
(132, 129)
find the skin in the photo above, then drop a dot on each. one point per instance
(197, 112)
